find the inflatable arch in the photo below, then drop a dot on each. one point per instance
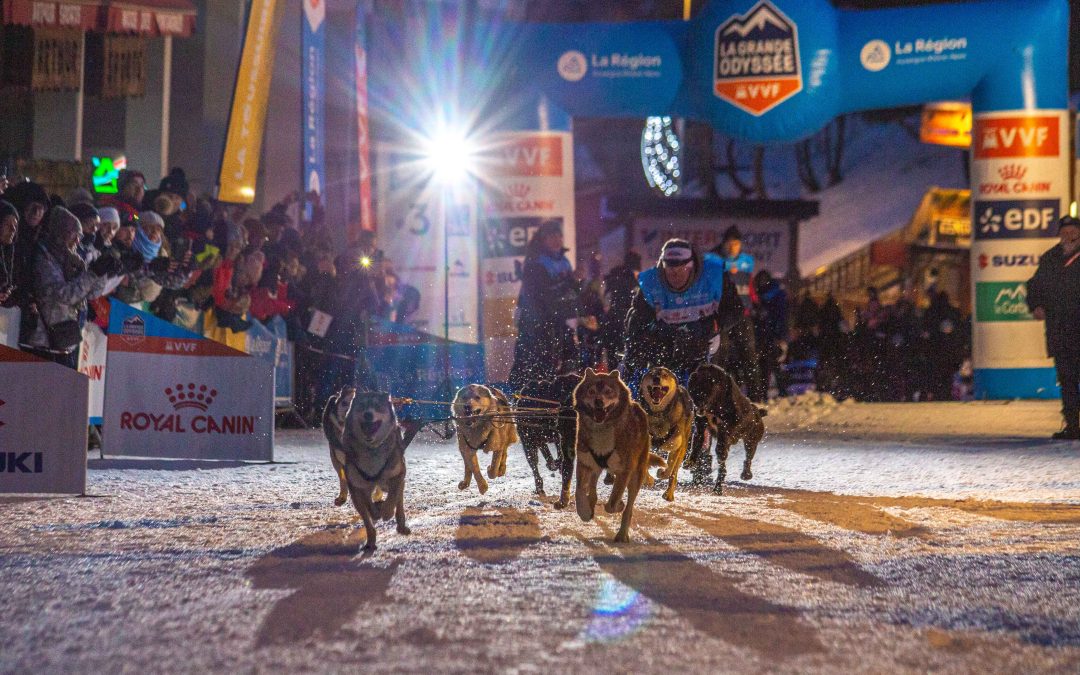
(779, 70)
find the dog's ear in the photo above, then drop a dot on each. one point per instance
(589, 373)
(617, 374)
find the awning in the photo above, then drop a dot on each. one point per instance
(136, 17)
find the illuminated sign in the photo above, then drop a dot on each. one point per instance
(107, 174)
(946, 124)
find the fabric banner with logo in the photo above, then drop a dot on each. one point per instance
(9, 327)
(93, 353)
(417, 218)
(363, 143)
(42, 426)
(529, 179)
(243, 143)
(1020, 176)
(172, 393)
(313, 75)
(270, 343)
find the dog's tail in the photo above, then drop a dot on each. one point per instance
(656, 460)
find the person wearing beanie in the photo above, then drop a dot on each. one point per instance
(740, 355)
(149, 269)
(1053, 296)
(547, 301)
(62, 284)
(9, 230)
(90, 220)
(110, 223)
(678, 311)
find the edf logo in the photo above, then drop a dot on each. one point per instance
(1029, 218)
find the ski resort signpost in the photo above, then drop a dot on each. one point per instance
(779, 70)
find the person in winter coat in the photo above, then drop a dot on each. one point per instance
(62, 284)
(548, 299)
(619, 287)
(771, 332)
(144, 283)
(739, 350)
(9, 231)
(943, 331)
(679, 311)
(1053, 296)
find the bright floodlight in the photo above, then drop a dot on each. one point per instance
(450, 156)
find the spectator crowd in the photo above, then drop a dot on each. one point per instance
(206, 266)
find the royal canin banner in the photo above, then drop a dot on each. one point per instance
(42, 426)
(172, 393)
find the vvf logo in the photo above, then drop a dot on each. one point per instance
(757, 59)
(1002, 301)
(1015, 219)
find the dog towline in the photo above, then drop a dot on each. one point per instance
(200, 424)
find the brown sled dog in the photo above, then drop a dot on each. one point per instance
(613, 434)
(482, 417)
(729, 416)
(560, 428)
(374, 445)
(671, 421)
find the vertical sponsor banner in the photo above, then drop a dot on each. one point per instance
(529, 178)
(172, 393)
(243, 142)
(270, 343)
(92, 358)
(313, 74)
(363, 144)
(416, 218)
(1020, 187)
(9, 327)
(43, 409)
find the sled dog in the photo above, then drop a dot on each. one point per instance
(729, 416)
(333, 424)
(671, 421)
(482, 417)
(560, 428)
(613, 434)
(375, 458)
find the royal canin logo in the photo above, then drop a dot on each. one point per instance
(1012, 172)
(516, 199)
(191, 396)
(518, 190)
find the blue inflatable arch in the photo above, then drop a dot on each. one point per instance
(779, 70)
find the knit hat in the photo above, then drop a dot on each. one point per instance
(1068, 221)
(732, 233)
(7, 209)
(60, 221)
(80, 195)
(676, 252)
(176, 182)
(84, 211)
(109, 215)
(151, 218)
(24, 193)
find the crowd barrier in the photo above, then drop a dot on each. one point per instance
(42, 426)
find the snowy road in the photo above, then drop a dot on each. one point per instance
(850, 551)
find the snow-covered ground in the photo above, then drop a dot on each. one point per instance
(873, 538)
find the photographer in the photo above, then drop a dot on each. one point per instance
(148, 267)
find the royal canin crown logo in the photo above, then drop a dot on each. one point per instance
(191, 395)
(518, 190)
(1012, 172)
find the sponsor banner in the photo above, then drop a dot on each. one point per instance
(414, 216)
(501, 279)
(1017, 136)
(1001, 301)
(1015, 218)
(767, 240)
(9, 327)
(92, 358)
(313, 75)
(43, 411)
(757, 59)
(163, 401)
(366, 221)
(1010, 344)
(243, 143)
(1008, 260)
(1012, 179)
(283, 362)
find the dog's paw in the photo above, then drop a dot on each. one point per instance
(370, 547)
(404, 529)
(492, 473)
(669, 495)
(622, 537)
(482, 487)
(718, 488)
(747, 474)
(338, 501)
(617, 508)
(609, 479)
(662, 474)
(552, 466)
(462, 484)
(561, 504)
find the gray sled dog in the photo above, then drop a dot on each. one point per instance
(671, 421)
(374, 445)
(613, 435)
(333, 424)
(729, 415)
(483, 419)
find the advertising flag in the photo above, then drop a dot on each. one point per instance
(313, 67)
(243, 143)
(363, 144)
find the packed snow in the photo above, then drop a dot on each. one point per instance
(872, 538)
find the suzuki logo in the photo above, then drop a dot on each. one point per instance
(190, 396)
